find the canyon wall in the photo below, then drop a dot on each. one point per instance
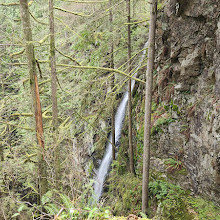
(188, 73)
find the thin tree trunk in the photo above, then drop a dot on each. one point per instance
(113, 78)
(134, 7)
(1, 153)
(131, 153)
(35, 94)
(148, 102)
(54, 94)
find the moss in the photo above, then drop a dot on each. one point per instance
(160, 122)
(172, 200)
(205, 209)
(125, 196)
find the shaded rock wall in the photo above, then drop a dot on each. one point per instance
(188, 72)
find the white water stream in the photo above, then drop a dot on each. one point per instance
(119, 118)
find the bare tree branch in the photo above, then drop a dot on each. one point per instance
(102, 68)
(71, 12)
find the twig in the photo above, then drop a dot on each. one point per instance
(68, 27)
(84, 1)
(25, 128)
(17, 53)
(38, 66)
(71, 12)
(68, 57)
(37, 19)
(137, 22)
(10, 4)
(3, 213)
(57, 215)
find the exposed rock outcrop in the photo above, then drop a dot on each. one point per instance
(188, 64)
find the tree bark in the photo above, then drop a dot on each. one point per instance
(54, 94)
(113, 78)
(25, 18)
(1, 153)
(131, 151)
(148, 102)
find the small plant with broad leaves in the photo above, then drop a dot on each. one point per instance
(68, 209)
(172, 199)
(173, 165)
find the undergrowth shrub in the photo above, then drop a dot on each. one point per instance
(206, 210)
(171, 198)
(60, 206)
(124, 192)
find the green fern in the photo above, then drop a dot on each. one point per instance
(52, 209)
(66, 201)
(46, 197)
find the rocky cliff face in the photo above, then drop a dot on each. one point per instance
(188, 72)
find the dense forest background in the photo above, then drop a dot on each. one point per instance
(55, 180)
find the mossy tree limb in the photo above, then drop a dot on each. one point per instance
(71, 12)
(104, 69)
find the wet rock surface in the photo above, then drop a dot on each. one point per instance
(188, 44)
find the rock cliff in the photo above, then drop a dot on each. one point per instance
(188, 73)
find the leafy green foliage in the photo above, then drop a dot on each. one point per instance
(80, 95)
(172, 107)
(205, 209)
(68, 209)
(172, 199)
(173, 165)
(160, 122)
(124, 192)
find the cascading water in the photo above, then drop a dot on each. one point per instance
(119, 118)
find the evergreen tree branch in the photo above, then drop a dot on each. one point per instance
(43, 39)
(136, 22)
(38, 21)
(43, 82)
(24, 64)
(10, 4)
(68, 27)
(69, 57)
(17, 126)
(71, 12)
(17, 53)
(38, 66)
(131, 58)
(84, 1)
(108, 9)
(90, 124)
(101, 68)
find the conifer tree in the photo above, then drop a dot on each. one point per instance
(148, 102)
(113, 76)
(54, 93)
(131, 151)
(29, 47)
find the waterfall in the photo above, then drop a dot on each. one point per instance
(119, 118)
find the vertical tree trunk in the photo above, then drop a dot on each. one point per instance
(134, 7)
(25, 18)
(113, 77)
(131, 153)
(1, 153)
(148, 101)
(54, 94)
